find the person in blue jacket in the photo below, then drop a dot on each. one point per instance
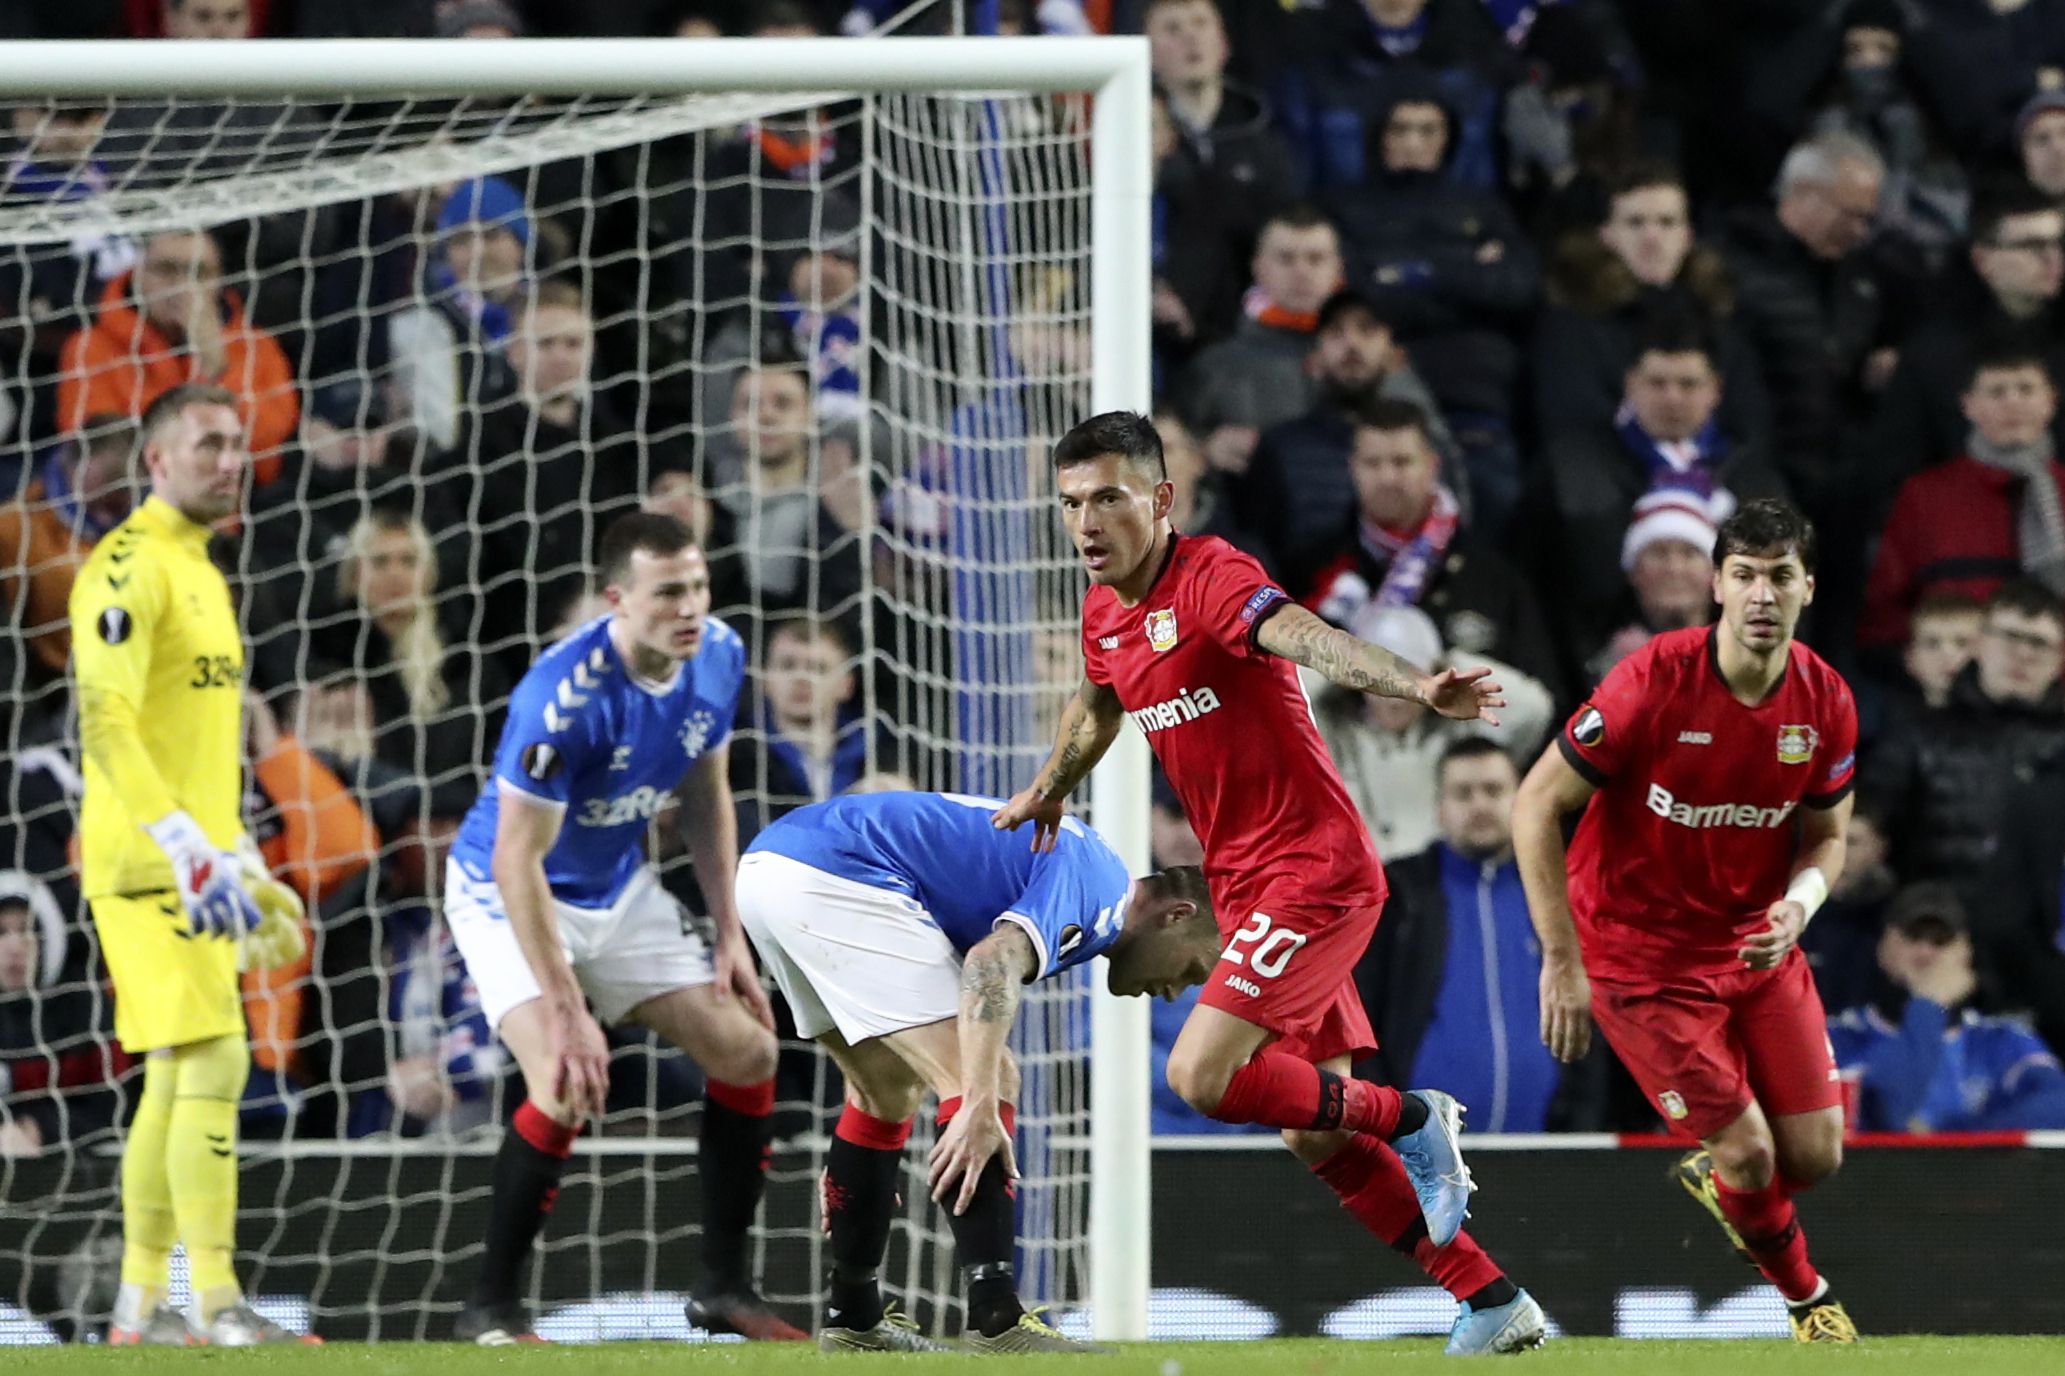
(1924, 1058)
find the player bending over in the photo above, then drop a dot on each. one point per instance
(177, 890)
(1190, 638)
(903, 929)
(1693, 872)
(554, 909)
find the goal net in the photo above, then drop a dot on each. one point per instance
(833, 321)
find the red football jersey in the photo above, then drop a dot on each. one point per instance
(1692, 837)
(1233, 733)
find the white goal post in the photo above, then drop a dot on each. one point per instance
(1114, 71)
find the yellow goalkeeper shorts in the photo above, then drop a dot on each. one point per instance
(171, 987)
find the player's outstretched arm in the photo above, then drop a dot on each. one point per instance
(1089, 724)
(993, 976)
(1303, 638)
(525, 829)
(1551, 790)
(710, 828)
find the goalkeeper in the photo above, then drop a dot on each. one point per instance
(178, 892)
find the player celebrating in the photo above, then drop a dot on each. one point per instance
(1688, 890)
(553, 907)
(175, 884)
(1191, 639)
(902, 929)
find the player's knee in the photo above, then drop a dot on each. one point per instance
(1313, 1147)
(1198, 1081)
(747, 1059)
(1747, 1164)
(1810, 1163)
(894, 1103)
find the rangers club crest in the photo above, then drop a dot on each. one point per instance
(1161, 629)
(1796, 744)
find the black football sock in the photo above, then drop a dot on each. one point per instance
(985, 1237)
(1500, 1291)
(524, 1185)
(737, 1127)
(1412, 1115)
(861, 1169)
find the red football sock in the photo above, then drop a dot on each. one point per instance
(1770, 1228)
(1281, 1091)
(1372, 1184)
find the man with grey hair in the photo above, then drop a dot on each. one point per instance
(1818, 298)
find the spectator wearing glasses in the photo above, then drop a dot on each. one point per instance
(2006, 288)
(1942, 781)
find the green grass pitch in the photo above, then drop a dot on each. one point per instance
(1295, 1357)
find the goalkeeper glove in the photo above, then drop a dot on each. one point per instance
(209, 879)
(279, 938)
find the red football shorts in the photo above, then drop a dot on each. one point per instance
(1704, 1047)
(1292, 970)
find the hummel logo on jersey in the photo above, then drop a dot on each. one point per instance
(1188, 705)
(1700, 816)
(620, 759)
(1695, 738)
(1107, 642)
(639, 805)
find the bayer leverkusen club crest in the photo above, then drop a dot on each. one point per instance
(1796, 744)
(1161, 629)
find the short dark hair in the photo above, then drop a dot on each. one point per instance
(1349, 301)
(1470, 748)
(1676, 332)
(1390, 414)
(1768, 528)
(1643, 174)
(1297, 215)
(1128, 434)
(173, 402)
(2004, 352)
(1942, 602)
(654, 532)
(811, 630)
(2003, 200)
(1184, 883)
(2029, 597)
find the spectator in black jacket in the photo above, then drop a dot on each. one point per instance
(1196, 252)
(1606, 286)
(555, 464)
(1355, 54)
(2021, 925)
(1220, 125)
(1842, 942)
(1296, 490)
(1813, 302)
(1452, 974)
(2007, 288)
(1943, 780)
(1241, 386)
(1404, 545)
(1453, 274)
(1666, 437)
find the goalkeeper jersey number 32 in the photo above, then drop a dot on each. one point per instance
(159, 667)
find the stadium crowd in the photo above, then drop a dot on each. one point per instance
(1471, 318)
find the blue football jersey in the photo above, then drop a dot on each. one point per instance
(583, 733)
(940, 851)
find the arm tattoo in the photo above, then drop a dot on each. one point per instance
(986, 992)
(1092, 719)
(1303, 638)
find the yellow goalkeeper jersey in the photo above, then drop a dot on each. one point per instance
(159, 668)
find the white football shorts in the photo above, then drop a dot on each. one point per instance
(639, 947)
(846, 955)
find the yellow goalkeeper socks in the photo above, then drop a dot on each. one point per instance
(201, 1164)
(148, 1230)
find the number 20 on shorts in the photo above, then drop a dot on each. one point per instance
(1262, 946)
